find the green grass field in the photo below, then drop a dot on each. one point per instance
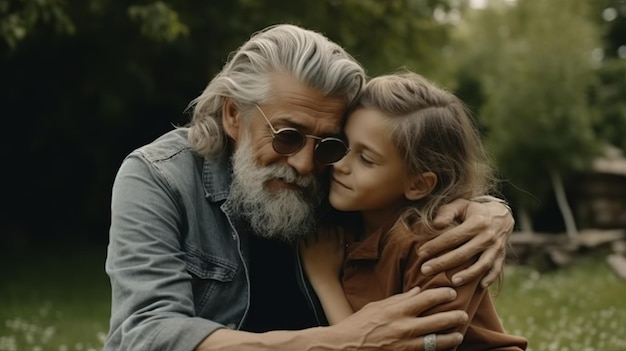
(581, 307)
(58, 299)
(54, 299)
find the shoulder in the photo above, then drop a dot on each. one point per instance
(400, 238)
(168, 161)
(169, 155)
(401, 234)
(166, 146)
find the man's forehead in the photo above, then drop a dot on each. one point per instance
(304, 107)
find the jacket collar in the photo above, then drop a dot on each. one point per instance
(217, 176)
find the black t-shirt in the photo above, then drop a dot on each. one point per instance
(276, 300)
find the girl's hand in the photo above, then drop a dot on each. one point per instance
(323, 255)
(322, 258)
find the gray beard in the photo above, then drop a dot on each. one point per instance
(288, 215)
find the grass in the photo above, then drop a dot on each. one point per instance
(58, 299)
(580, 307)
(54, 299)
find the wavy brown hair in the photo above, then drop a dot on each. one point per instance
(433, 131)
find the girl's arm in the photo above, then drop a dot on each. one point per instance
(484, 330)
(322, 258)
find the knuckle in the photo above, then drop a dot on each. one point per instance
(483, 220)
(491, 238)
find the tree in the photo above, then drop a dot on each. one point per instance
(610, 89)
(85, 82)
(533, 62)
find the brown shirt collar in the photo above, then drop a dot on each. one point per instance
(370, 247)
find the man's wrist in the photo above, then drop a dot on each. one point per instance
(488, 198)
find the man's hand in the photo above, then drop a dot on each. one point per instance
(484, 230)
(390, 324)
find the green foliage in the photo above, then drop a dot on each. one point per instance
(532, 60)
(18, 18)
(158, 21)
(90, 80)
(117, 74)
(609, 91)
(609, 95)
(384, 35)
(21, 18)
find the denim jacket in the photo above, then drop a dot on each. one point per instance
(177, 254)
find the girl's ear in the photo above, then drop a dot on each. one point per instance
(231, 118)
(420, 185)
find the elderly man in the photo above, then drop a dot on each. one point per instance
(205, 219)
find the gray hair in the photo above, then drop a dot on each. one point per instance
(308, 56)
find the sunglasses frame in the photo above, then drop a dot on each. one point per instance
(320, 140)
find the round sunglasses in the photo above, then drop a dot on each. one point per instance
(287, 141)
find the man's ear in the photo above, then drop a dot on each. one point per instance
(420, 185)
(231, 118)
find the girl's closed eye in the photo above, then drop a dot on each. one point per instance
(365, 160)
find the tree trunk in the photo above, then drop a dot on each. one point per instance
(561, 199)
(525, 222)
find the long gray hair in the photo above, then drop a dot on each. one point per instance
(308, 56)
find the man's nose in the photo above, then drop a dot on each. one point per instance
(303, 161)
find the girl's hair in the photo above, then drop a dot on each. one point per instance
(433, 131)
(308, 56)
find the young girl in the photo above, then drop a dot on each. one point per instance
(412, 148)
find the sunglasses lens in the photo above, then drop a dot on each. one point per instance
(330, 150)
(288, 141)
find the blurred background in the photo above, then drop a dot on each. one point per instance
(83, 83)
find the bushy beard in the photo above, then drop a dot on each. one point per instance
(286, 214)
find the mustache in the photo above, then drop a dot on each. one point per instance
(289, 175)
(285, 214)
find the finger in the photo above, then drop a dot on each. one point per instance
(444, 241)
(495, 272)
(458, 256)
(417, 302)
(400, 300)
(437, 322)
(445, 341)
(449, 341)
(489, 253)
(456, 236)
(447, 213)
(489, 265)
(402, 297)
(479, 269)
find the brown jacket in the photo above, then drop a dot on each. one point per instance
(387, 262)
